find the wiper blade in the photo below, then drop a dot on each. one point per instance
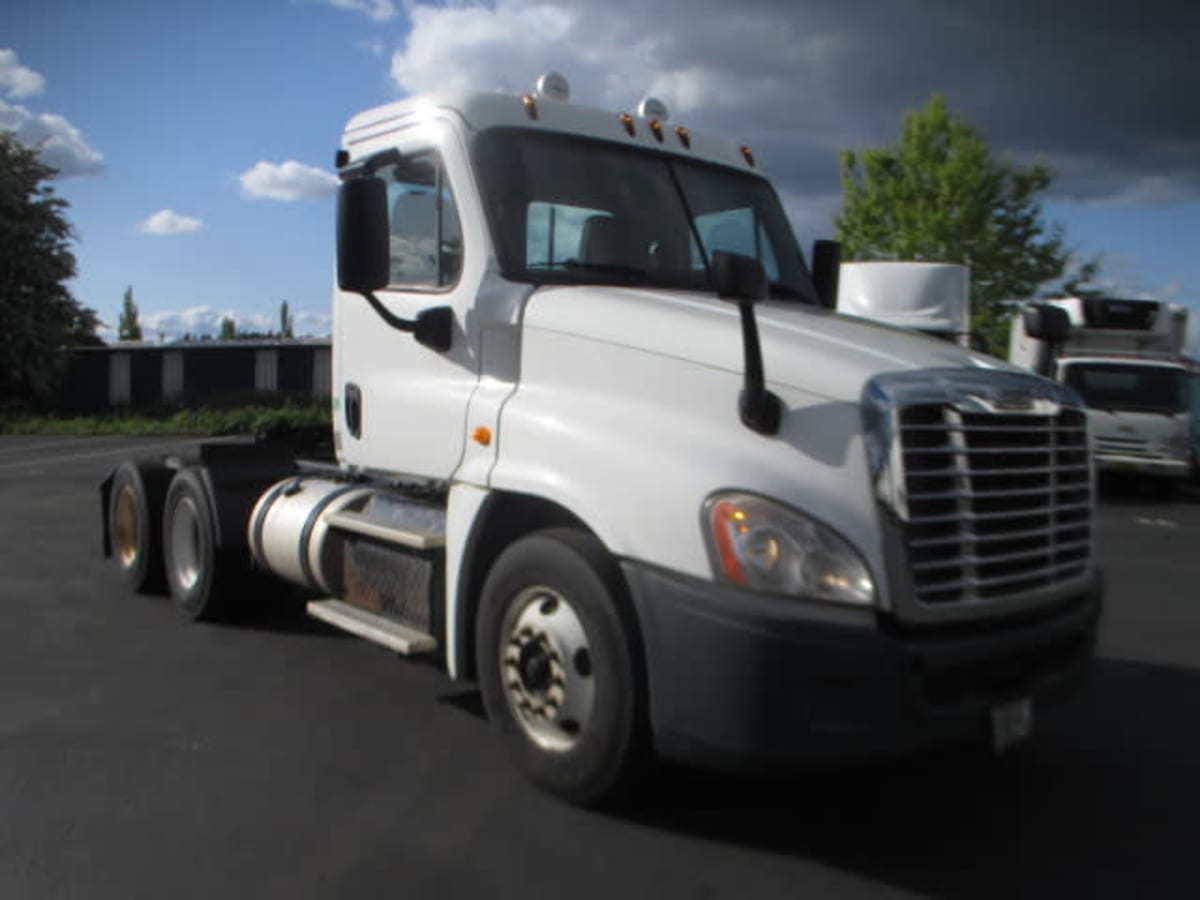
(572, 265)
(779, 289)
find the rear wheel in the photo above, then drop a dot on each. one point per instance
(197, 574)
(560, 667)
(135, 524)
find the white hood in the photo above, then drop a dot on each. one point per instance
(810, 349)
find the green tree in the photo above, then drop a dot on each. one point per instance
(228, 329)
(129, 329)
(39, 314)
(285, 322)
(940, 196)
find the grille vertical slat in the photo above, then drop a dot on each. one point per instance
(996, 504)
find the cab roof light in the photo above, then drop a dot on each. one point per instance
(553, 86)
(685, 137)
(657, 130)
(653, 108)
(748, 155)
(530, 105)
(627, 121)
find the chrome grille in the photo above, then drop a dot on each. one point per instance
(995, 504)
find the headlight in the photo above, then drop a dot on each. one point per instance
(759, 544)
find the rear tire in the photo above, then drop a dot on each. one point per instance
(560, 665)
(135, 510)
(198, 575)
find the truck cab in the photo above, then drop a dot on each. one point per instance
(600, 445)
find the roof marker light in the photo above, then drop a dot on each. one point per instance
(748, 155)
(685, 137)
(530, 104)
(656, 127)
(627, 121)
(653, 108)
(553, 86)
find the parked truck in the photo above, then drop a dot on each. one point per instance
(933, 298)
(599, 445)
(1125, 359)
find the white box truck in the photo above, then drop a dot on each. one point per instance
(599, 445)
(1125, 359)
(933, 298)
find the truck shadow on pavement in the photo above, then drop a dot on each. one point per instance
(1128, 490)
(1103, 803)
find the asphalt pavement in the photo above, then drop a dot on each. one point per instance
(145, 756)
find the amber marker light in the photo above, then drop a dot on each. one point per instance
(748, 155)
(685, 137)
(482, 435)
(729, 519)
(627, 121)
(656, 128)
(530, 105)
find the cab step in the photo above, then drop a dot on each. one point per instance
(372, 626)
(395, 521)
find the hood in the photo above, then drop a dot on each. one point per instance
(804, 347)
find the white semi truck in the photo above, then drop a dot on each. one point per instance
(933, 298)
(599, 445)
(1125, 359)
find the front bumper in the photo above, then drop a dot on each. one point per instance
(741, 680)
(1140, 465)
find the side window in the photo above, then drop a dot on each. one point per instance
(736, 231)
(426, 237)
(554, 234)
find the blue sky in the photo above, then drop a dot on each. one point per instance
(201, 135)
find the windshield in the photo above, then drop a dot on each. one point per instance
(1129, 388)
(565, 210)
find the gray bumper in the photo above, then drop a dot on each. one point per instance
(738, 679)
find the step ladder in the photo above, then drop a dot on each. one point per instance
(372, 626)
(417, 531)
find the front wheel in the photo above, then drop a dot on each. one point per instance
(560, 666)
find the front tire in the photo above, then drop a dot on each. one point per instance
(560, 665)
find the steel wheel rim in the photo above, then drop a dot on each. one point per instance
(546, 669)
(186, 554)
(126, 527)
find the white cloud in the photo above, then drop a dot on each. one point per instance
(59, 143)
(198, 321)
(376, 10)
(287, 181)
(167, 221)
(16, 80)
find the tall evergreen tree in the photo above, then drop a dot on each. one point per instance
(129, 329)
(285, 322)
(39, 314)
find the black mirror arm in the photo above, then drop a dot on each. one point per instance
(433, 327)
(760, 410)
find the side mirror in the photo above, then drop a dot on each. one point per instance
(739, 278)
(362, 235)
(1046, 323)
(744, 281)
(827, 264)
